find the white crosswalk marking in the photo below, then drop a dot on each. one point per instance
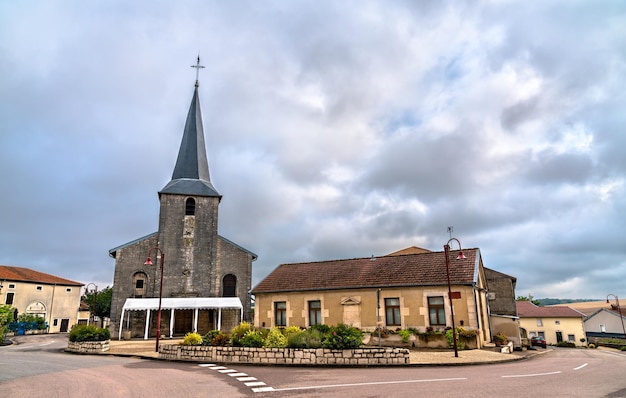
(255, 384)
(249, 381)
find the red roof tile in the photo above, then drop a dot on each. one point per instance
(526, 309)
(20, 274)
(388, 271)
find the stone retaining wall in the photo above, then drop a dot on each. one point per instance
(88, 346)
(287, 356)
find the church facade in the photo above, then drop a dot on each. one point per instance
(206, 278)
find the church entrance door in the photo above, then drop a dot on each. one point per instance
(183, 321)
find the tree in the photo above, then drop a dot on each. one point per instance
(102, 305)
(6, 317)
(524, 298)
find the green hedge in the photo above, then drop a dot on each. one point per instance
(89, 333)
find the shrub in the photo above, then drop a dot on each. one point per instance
(324, 329)
(89, 333)
(405, 335)
(236, 335)
(275, 339)
(291, 330)
(310, 338)
(343, 337)
(252, 338)
(221, 340)
(592, 345)
(192, 338)
(207, 339)
(459, 343)
(568, 344)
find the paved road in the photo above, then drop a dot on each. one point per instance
(39, 367)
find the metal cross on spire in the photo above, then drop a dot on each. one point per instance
(197, 66)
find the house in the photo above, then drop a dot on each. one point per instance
(554, 324)
(197, 278)
(396, 291)
(605, 323)
(603, 318)
(503, 310)
(53, 298)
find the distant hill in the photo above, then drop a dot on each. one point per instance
(555, 301)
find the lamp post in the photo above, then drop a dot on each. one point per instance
(446, 249)
(92, 311)
(621, 317)
(149, 262)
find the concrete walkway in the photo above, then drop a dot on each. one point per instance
(147, 349)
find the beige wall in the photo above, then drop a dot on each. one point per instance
(53, 302)
(550, 327)
(358, 307)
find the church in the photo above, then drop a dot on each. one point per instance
(185, 275)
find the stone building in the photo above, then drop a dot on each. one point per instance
(206, 277)
(405, 289)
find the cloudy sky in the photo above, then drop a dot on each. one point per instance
(334, 129)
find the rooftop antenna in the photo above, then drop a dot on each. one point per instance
(450, 230)
(198, 67)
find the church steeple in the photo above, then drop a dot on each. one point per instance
(191, 173)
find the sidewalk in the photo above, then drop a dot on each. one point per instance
(147, 349)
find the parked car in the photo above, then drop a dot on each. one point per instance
(538, 341)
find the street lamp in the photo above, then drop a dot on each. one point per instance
(92, 311)
(149, 262)
(621, 317)
(446, 249)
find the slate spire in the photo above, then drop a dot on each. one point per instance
(191, 173)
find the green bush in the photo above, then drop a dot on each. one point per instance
(459, 344)
(405, 335)
(568, 344)
(253, 338)
(343, 337)
(592, 345)
(89, 333)
(207, 339)
(236, 335)
(275, 339)
(192, 338)
(310, 338)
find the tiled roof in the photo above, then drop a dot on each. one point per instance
(20, 274)
(526, 309)
(387, 271)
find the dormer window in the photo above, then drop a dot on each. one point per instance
(190, 207)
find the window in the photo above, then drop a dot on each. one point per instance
(602, 328)
(392, 311)
(557, 322)
(542, 335)
(315, 312)
(11, 285)
(229, 286)
(280, 313)
(539, 322)
(139, 285)
(68, 290)
(39, 288)
(55, 322)
(190, 207)
(10, 297)
(571, 337)
(436, 311)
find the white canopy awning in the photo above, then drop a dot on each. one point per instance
(180, 303)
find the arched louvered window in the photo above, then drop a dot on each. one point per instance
(190, 207)
(229, 286)
(140, 282)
